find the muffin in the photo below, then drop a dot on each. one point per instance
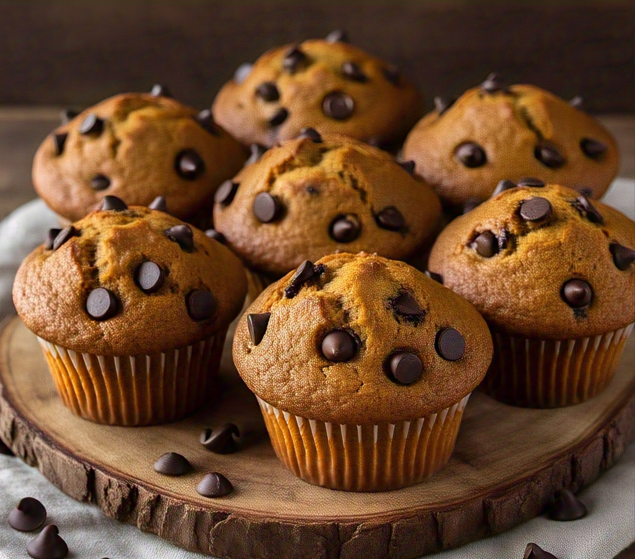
(362, 367)
(131, 307)
(327, 84)
(315, 195)
(495, 132)
(553, 275)
(136, 146)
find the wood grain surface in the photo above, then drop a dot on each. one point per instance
(507, 464)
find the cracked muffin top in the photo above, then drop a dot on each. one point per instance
(328, 84)
(495, 132)
(359, 339)
(136, 146)
(542, 262)
(319, 194)
(128, 281)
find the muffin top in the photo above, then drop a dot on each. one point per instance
(360, 339)
(135, 146)
(542, 262)
(327, 84)
(318, 194)
(495, 132)
(128, 281)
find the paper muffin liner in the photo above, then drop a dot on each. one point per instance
(137, 389)
(552, 373)
(367, 457)
(256, 284)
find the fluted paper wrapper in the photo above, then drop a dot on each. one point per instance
(256, 284)
(552, 373)
(363, 457)
(138, 389)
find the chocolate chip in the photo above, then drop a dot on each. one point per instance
(312, 134)
(531, 181)
(216, 235)
(205, 120)
(58, 142)
(549, 156)
(353, 72)
(408, 166)
(390, 218)
(226, 192)
(305, 273)
(405, 367)
(200, 304)
(345, 228)
(159, 90)
(593, 148)
(294, 59)
(485, 244)
(172, 464)
(587, 209)
(434, 276)
(102, 304)
(66, 115)
(566, 506)
(470, 154)
(470, 204)
(28, 515)
(534, 551)
(50, 238)
(577, 102)
(450, 344)
(442, 104)
(214, 485)
(181, 234)
(268, 92)
(189, 164)
(92, 124)
(622, 256)
(149, 276)
(99, 182)
(257, 151)
(406, 306)
(337, 36)
(113, 203)
(279, 117)
(493, 84)
(48, 544)
(338, 105)
(339, 346)
(577, 293)
(159, 204)
(242, 72)
(392, 74)
(267, 208)
(257, 326)
(502, 186)
(220, 440)
(535, 209)
(63, 236)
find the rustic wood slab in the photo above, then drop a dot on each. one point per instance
(507, 464)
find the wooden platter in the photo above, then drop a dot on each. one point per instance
(507, 464)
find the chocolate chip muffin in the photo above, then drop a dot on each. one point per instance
(495, 132)
(131, 306)
(326, 84)
(136, 146)
(553, 275)
(315, 195)
(362, 367)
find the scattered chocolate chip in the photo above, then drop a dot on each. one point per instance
(159, 90)
(294, 59)
(242, 72)
(339, 346)
(622, 256)
(337, 36)
(181, 234)
(338, 105)
(102, 304)
(305, 273)
(66, 115)
(257, 326)
(312, 134)
(189, 164)
(113, 203)
(172, 464)
(226, 192)
(486, 244)
(577, 102)
(577, 293)
(200, 304)
(216, 235)
(48, 544)
(502, 186)
(267, 208)
(159, 204)
(50, 238)
(442, 104)
(470, 204)
(92, 124)
(63, 236)
(353, 72)
(408, 166)
(390, 218)
(149, 276)
(549, 156)
(593, 148)
(566, 506)
(450, 344)
(534, 551)
(268, 91)
(257, 151)
(214, 485)
(470, 154)
(493, 84)
(205, 119)
(220, 440)
(279, 117)
(392, 74)
(587, 209)
(28, 515)
(345, 228)
(531, 181)
(535, 209)
(58, 142)
(407, 307)
(99, 182)
(434, 276)
(405, 367)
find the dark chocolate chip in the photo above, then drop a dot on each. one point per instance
(434, 276)
(92, 124)
(28, 515)
(312, 134)
(338, 105)
(408, 166)
(159, 90)
(220, 440)
(493, 84)
(294, 59)
(267, 208)
(470, 204)
(622, 256)
(50, 238)
(450, 344)
(586, 208)
(113, 203)
(159, 204)
(149, 276)
(172, 464)
(268, 91)
(214, 485)
(216, 235)
(257, 151)
(205, 119)
(593, 148)
(201, 304)
(535, 209)
(66, 115)
(279, 117)
(577, 102)
(470, 154)
(566, 506)
(102, 304)
(353, 72)
(305, 273)
(442, 104)
(534, 551)
(181, 234)
(189, 164)
(63, 236)
(339, 346)
(257, 326)
(577, 293)
(48, 544)
(531, 181)
(345, 228)
(337, 36)
(242, 72)
(99, 182)
(549, 156)
(405, 367)
(390, 218)
(486, 244)
(392, 74)
(226, 192)
(406, 306)
(58, 141)
(502, 186)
